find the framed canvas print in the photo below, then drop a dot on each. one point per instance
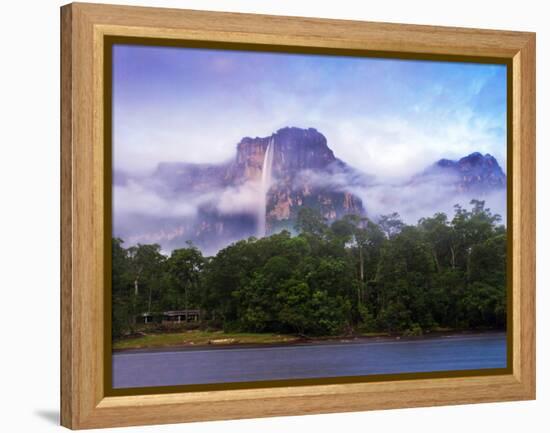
(270, 216)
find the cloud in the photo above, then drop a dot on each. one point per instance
(415, 201)
(158, 236)
(141, 198)
(386, 117)
(145, 211)
(396, 147)
(413, 198)
(238, 200)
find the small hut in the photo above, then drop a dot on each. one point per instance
(181, 316)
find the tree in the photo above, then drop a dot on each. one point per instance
(311, 312)
(406, 270)
(391, 224)
(356, 274)
(185, 266)
(122, 319)
(484, 305)
(439, 235)
(363, 239)
(469, 228)
(488, 261)
(145, 268)
(311, 222)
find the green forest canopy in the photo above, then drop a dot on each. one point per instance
(353, 275)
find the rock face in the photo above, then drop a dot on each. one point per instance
(303, 166)
(474, 173)
(225, 199)
(295, 149)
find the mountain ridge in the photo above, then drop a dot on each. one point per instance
(306, 172)
(474, 172)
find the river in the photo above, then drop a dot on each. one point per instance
(202, 365)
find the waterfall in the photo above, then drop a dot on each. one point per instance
(264, 188)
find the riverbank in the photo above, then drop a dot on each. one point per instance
(200, 338)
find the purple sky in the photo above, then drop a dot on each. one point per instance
(387, 117)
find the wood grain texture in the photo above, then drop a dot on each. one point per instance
(67, 388)
(524, 215)
(83, 400)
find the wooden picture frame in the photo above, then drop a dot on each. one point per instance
(84, 325)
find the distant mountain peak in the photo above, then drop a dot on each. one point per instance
(297, 129)
(294, 149)
(474, 158)
(472, 172)
(288, 133)
(475, 155)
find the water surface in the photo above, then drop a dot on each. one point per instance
(299, 361)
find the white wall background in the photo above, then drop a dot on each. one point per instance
(29, 220)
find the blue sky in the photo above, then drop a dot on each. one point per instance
(390, 118)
